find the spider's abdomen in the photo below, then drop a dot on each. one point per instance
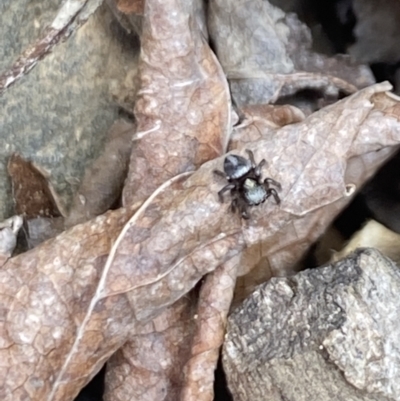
(236, 166)
(253, 192)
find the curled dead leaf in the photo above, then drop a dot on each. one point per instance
(130, 6)
(183, 105)
(74, 300)
(32, 194)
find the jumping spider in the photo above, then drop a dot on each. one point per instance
(245, 183)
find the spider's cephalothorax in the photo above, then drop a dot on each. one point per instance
(245, 183)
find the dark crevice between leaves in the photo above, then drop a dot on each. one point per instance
(221, 391)
(94, 390)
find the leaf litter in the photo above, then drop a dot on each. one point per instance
(130, 276)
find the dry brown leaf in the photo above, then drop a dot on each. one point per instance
(130, 6)
(67, 306)
(276, 116)
(260, 261)
(254, 45)
(130, 22)
(260, 122)
(149, 366)
(183, 106)
(36, 201)
(102, 183)
(381, 195)
(215, 300)
(31, 191)
(185, 98)
(44, 297)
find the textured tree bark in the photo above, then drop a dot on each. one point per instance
(325, 334)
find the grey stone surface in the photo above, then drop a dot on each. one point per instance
(59, 113)
(330, 333)
(21, 24)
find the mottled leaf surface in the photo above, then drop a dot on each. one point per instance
(183, 105)
(45, 295)
(30, 189)
(130, 6)
(183, 114)
(68, 304)
(260, 121)
(214, 303)
(149, 366)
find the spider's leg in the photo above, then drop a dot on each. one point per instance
(221, 174)
(257, 167)
(245, 214)
(272, 191)
(234, 205)
(243, 210)
(257, 170)
(241, 207)
(223, 190)
(251, 157)
(269, 181)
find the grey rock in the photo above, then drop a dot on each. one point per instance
(59, 113)
(330, 333)
(261, 48)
